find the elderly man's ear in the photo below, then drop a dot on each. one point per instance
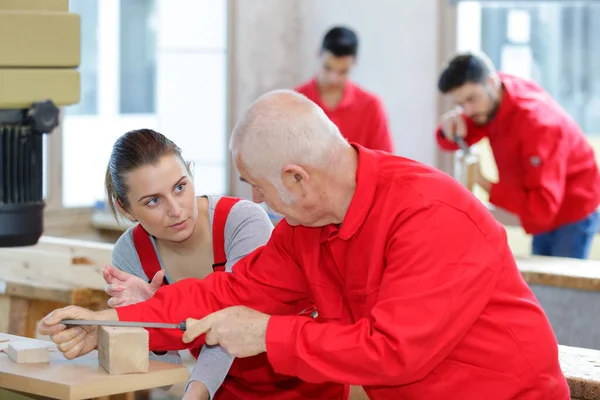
(295, 178)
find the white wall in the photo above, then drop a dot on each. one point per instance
(397, 60)
(275, 44)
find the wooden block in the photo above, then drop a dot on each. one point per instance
(46, 39)
(466, 170)
(26, 351)
(123, 350)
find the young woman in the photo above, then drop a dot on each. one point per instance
(179, 235)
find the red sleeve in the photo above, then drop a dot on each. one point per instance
(268, 280)
(434, 287)
(474, 134)
(380, 137)
(544, 168)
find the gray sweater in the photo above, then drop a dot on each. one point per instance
(247, 228)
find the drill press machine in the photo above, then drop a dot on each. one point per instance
(39, 57)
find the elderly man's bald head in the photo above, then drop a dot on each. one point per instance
(284, 127)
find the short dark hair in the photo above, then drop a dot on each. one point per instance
(465, 68)
(341, 42)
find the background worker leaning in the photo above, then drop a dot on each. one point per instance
(547, 172)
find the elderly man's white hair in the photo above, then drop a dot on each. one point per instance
(284, 127)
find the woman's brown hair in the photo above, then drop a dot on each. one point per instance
(133, 150)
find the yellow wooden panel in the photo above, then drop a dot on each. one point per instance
(39, 39)
(22, 87)
(34, 5)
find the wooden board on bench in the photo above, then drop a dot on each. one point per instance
(568, 273)
(581, 367)
(81, 378)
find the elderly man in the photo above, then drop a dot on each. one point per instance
(416, 292)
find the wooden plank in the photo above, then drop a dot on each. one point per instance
(17, 320)
(68, 222)
(14, 287)
(35, 256)
(97, 253)
(88, 298)
(581, 367)
(4, 313)
(561, 272)
(36, 271)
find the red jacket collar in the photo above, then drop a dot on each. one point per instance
(367, 176)
(347, 99)
(508, 103)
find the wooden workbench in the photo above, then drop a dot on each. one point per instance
(562, 272)
(24, 302)
(81, 378)
(38, 279)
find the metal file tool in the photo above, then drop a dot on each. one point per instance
(181, 326)
(463, 146)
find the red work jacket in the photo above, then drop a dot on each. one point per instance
(547, 170)
(417, 292)
(360, 116)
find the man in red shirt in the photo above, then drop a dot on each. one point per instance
(415, 291)
(547, 172)
(358, 114)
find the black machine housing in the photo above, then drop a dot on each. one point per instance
(21, 172)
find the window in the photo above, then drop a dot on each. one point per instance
(148, 64)
(555, 43)
(88, 12)
(137, 70)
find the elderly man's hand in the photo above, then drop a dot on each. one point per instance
(73, 341)
(126, 289)
(239, 330)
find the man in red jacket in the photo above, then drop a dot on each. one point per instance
(415, 291)
(547, 171)
(358, 114)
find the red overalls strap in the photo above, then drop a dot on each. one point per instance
(149, 258)
(222, 209)
(146, 253)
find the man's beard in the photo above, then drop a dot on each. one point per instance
(492, 113)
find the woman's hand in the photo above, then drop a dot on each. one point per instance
(126, 289)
